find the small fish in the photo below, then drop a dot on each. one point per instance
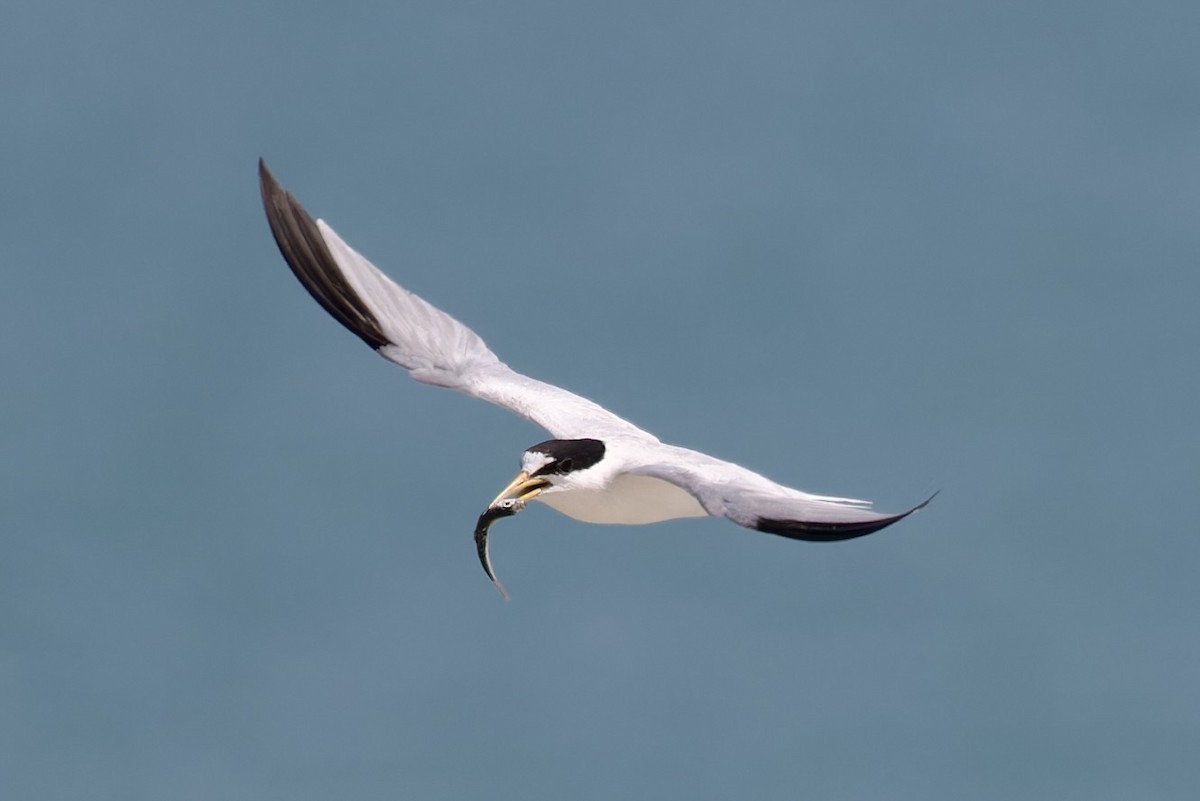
(506, 508)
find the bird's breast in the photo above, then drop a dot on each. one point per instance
(628, 500)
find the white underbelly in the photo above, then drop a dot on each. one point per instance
(628, 500)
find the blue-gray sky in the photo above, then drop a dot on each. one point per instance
(871, 249)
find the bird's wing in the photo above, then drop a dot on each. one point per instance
(751, 500)
(406, 330)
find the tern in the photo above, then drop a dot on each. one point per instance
(598, 467)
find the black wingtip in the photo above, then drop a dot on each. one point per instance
(923, 503)
(813, 531)
(267, 185)
(303, 248)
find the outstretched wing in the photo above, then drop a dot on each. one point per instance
(410, 332)
(754, 501)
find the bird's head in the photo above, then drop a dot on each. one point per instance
(551, 466)
(555, 465)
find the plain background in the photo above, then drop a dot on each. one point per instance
(869, 248)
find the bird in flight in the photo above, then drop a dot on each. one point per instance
(597, 468)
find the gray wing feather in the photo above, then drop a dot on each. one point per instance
(405, 329)
(754, 501)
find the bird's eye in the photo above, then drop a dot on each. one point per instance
(508, 503)
(564, 466)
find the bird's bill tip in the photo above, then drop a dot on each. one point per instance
(521, 489)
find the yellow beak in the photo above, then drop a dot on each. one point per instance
(522, 488)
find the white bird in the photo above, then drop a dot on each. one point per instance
(598, 468)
